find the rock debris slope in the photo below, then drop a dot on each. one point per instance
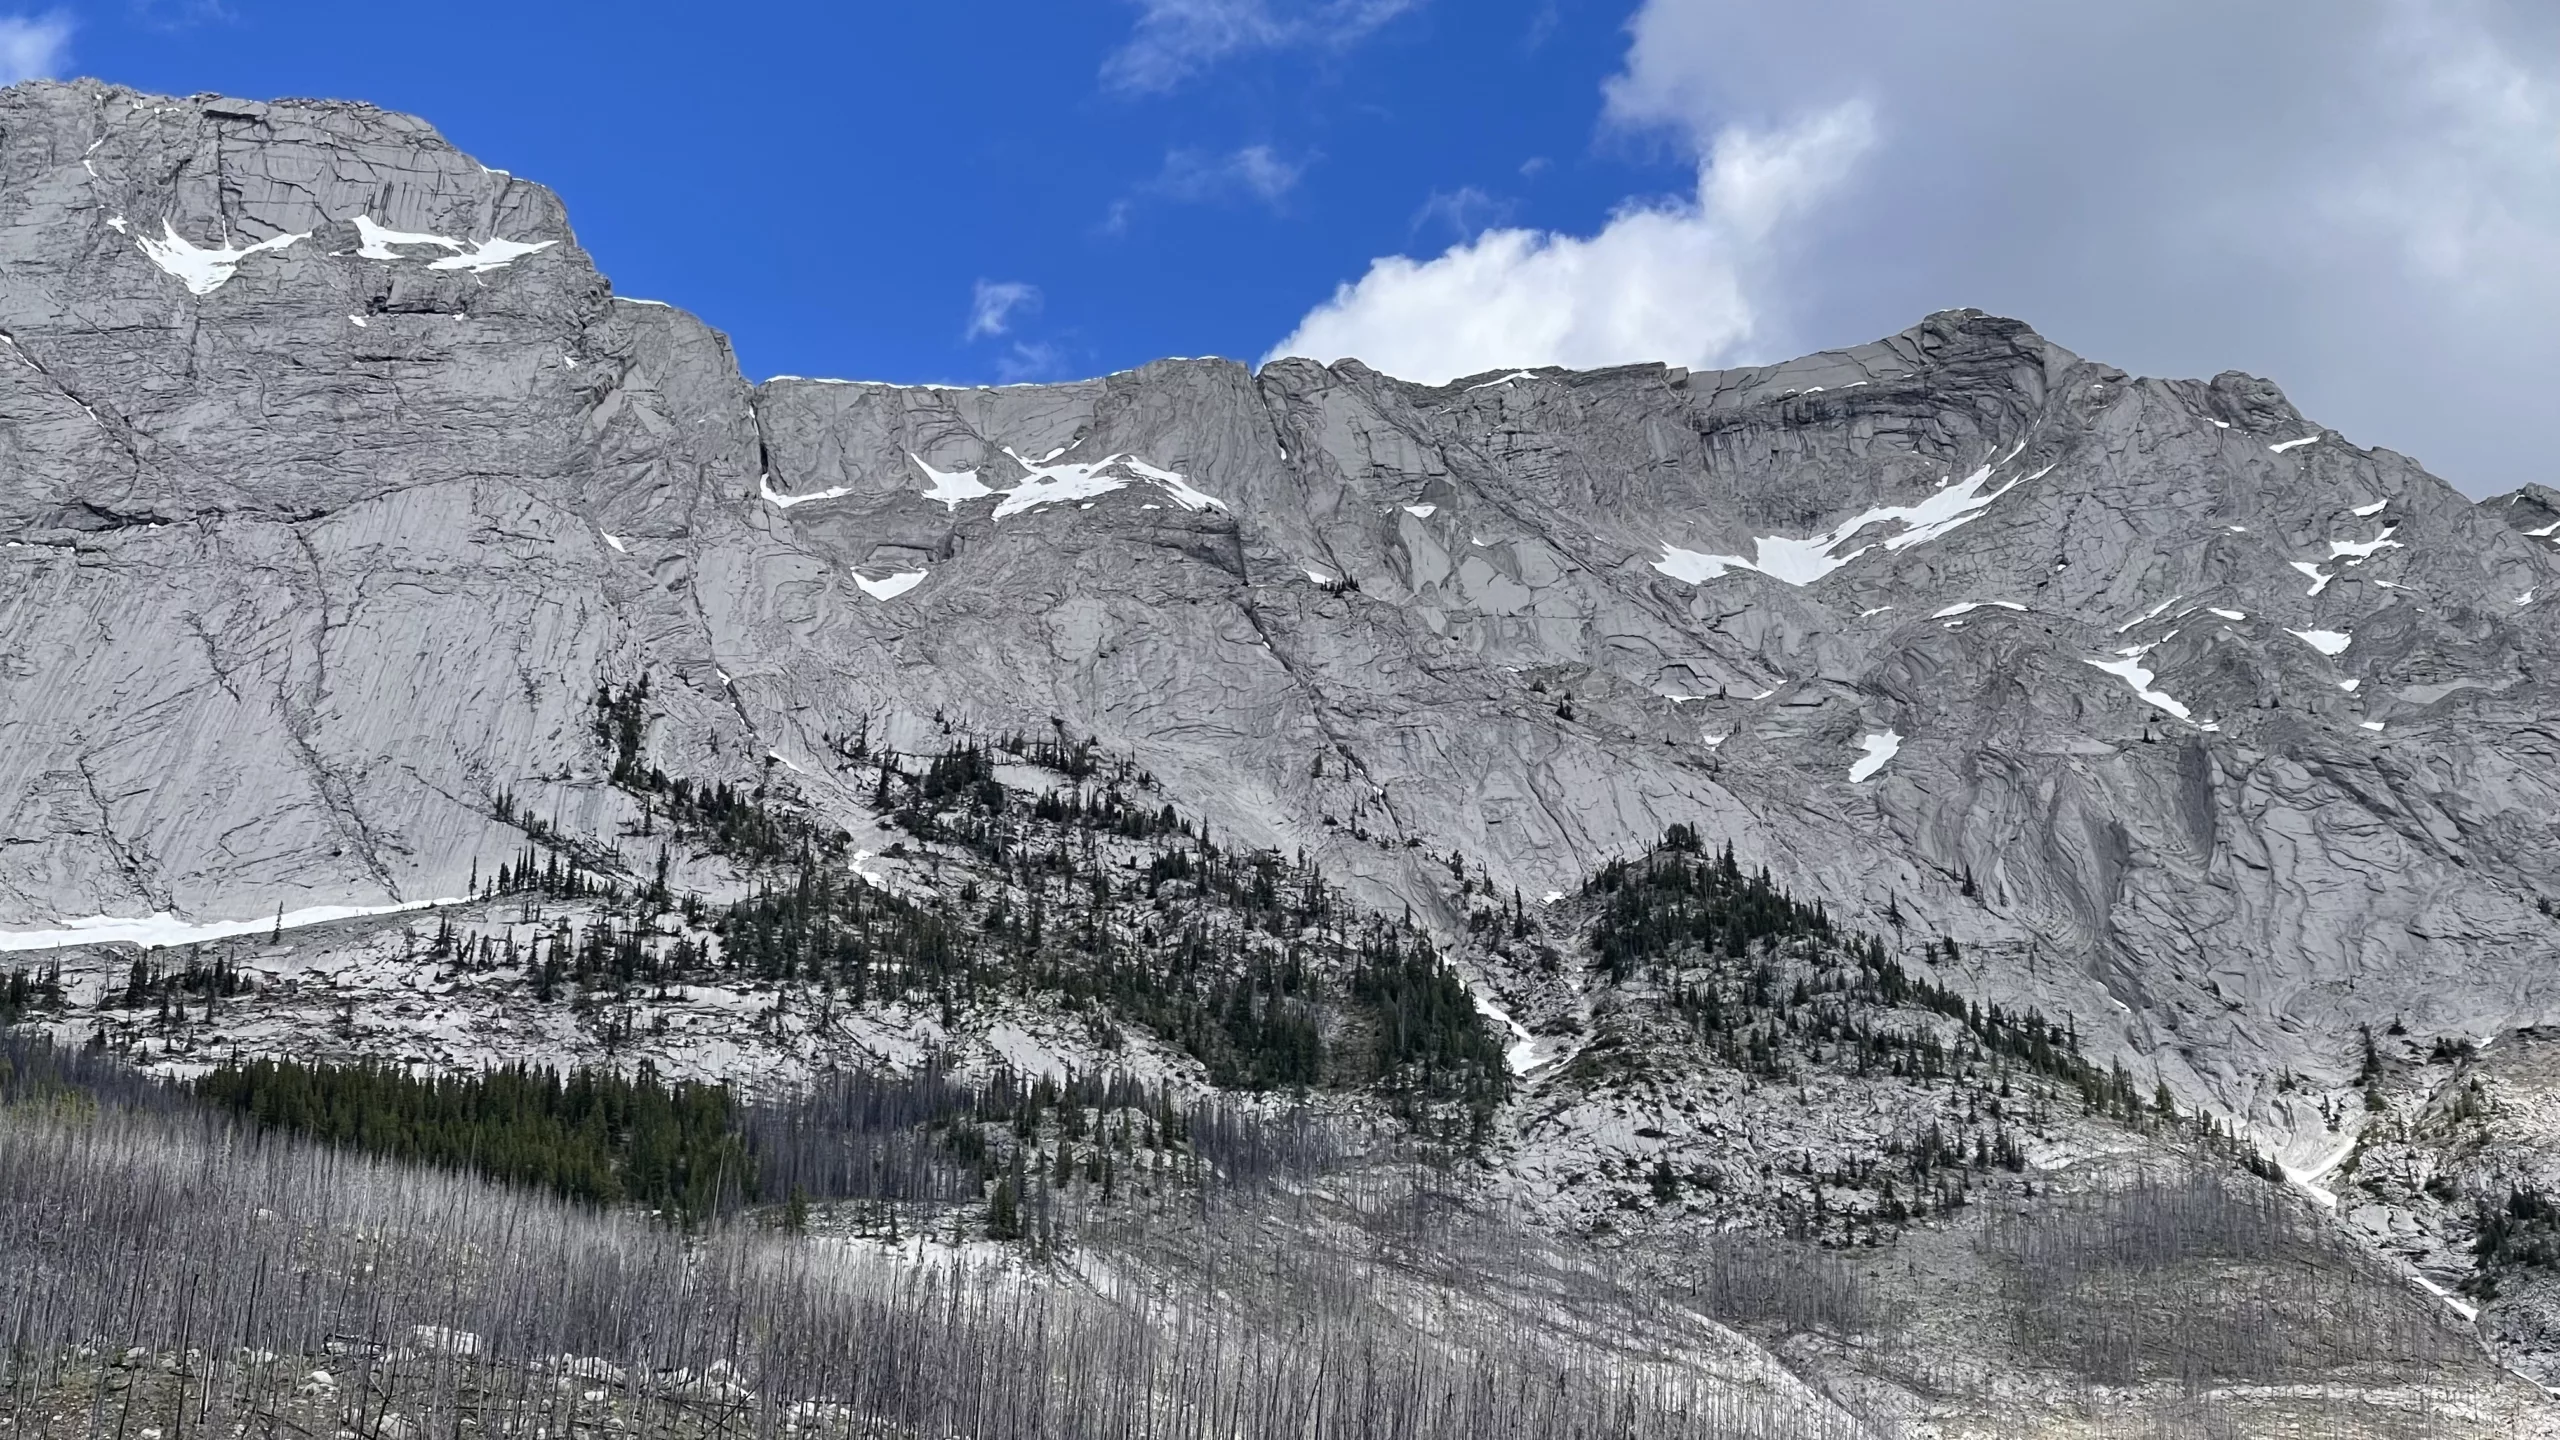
(335, 481)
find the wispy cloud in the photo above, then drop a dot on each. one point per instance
(1257, 172)
(1465, 212)
(175, 15)
(993, 305)
(33, 47)
(1033, 360)
(1175, 40)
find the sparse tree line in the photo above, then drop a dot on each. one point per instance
(173, 1270)
(1014, 1157)
(1124, 911)
(2197, 1276)
(26, 992)
(2521, 1232)
(1772, 987)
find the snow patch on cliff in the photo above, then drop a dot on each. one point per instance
(203, 271)
(1801, 562)
(1879, 748)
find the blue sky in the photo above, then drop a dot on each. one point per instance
(2359, 199)
(832, 183)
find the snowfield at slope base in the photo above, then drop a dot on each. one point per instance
(166, 929)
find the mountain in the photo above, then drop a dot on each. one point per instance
(348, 509)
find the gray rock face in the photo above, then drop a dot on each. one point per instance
(2186, 717)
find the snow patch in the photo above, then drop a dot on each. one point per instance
(1422, 512)
(203, 271)
(2327, 642)
(2226, 614)
(1505, 380)
(2319, 578)
(2374, 725)
(1801, 562)
(1049, 484)
(477, 256)
(2283, 446)
(951, 486)
(2364, 549)
(615, 541)
(167, 929)
(2149, 615)
(1969, 606)
(2349, 685)
(1879, 748)
(891, 588)
(2129, 668)
(2546, 532)
(2367, 512)
(780, 501)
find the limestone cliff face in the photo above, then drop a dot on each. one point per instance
(334, 480)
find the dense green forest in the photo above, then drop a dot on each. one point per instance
(586, 1134)
(692, 1151)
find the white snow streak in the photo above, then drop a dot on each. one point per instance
(2367, 512)
(2327, 642)
(1422, 512)
(167, 929)
(2130, 669)
(780, 501)
(2147, 616)
(1505, 380)
(2226, 614)
(1048, 484)
(1801, 562)
(2319, 578)
(2364, 549)
(2283, 446)
(477, 256)
(203, 271)
(1969, 606)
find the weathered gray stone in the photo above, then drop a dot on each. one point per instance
(308, 565)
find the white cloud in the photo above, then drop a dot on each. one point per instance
(33, 48)
(992, 306)
(1027, 361)
(1255, 170)
(1177, 39)
(2356, 198)
(1667, 281)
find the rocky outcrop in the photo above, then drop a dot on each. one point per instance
(335, 480)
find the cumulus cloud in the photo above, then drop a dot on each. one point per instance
(33, 47)
(1668, 280)
(993, 303)
(1175, 40)
(2357, 198)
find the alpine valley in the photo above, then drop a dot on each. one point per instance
(1933, 889)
